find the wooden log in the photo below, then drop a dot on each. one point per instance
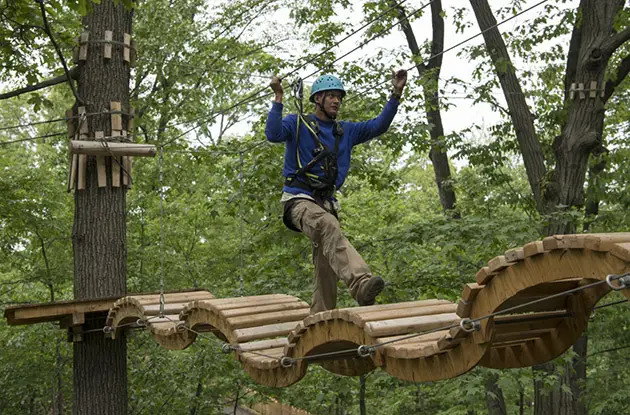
(417, 339)
(262, 332)
(409, 324)
(107, 52)
(605, 243)
(470, 291)
(557, 303)
(622, 251)
(363, 317)
(263, 344)
(254, 320)
(514, 254)
(293, 305)
(187, 296)
(484, 276)
(96, 148)
(533, 248)
(464, 308)
(498, 264)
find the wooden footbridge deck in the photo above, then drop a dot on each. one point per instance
(530, 304)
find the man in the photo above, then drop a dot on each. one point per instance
(316, 163)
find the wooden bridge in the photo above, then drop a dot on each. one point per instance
(526, 307)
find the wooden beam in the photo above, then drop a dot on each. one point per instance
(96, 148)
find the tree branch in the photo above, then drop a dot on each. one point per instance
(63, 61)
(622, 72)
(616, 40)
(574, 51)
(44, 84)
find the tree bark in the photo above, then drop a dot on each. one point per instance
(494, 396)
(519, 110)
(431, 71)
(99, 232)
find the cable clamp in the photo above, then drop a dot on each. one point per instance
(228, 348)
(469, 326)
(141, 322)
(180, 327)
(286, 362)
(623, 281)
(108, 329)
(365, 351)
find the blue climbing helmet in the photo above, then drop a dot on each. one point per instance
(326, 83)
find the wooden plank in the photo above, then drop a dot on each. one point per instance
(188, 296)
(107, 52)
(362, 318)
(558, 303)
(535, 321)
(253, 320)
(115, 171)
(39, 313)
(73, 172)
(250, 301)
(622, 251)
(533, 248)
(127, 47)
(549, 288)
(409, 324)
(412, 350)
(393, 306)
(520, 335)
(464, 308)
(498, 264)
(82, 171)
(514, 254)
(292, 305)
(483, 276)
(418, 339)
(126, 174)
(83, 48)
(263, 344)
(271, 330)
(605, 243)
(470, 291)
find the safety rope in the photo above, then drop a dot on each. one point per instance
(160, 163)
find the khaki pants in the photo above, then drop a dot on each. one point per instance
(333, 255)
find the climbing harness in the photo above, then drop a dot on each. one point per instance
(322, 187)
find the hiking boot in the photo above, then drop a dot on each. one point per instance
(369, 290)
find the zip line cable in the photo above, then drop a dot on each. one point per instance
(256, 95)
(363, 91)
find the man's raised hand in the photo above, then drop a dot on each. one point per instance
(276, 87)
(399, 80)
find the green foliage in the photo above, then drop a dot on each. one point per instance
(221, 227)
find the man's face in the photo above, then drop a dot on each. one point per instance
(330, 101)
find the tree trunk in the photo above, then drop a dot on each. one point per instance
(431, 71)
(494, 396)
(592, 44)
(362, 409)
(99, 232)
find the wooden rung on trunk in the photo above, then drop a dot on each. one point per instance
(117, 117)
(83, 48)
(127, 47)
(107, 52)
(116, 171)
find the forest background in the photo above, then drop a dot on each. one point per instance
(221, 227)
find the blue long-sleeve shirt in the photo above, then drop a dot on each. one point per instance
(283, 130)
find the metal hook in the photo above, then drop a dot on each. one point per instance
(469, 326)
(365, 351)
(286, 362)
